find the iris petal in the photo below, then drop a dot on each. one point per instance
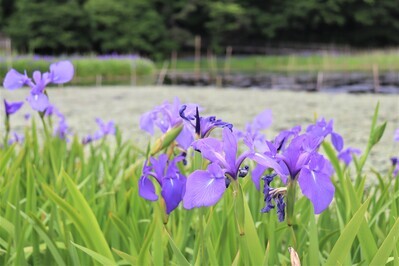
(204, 188)
(147, 189)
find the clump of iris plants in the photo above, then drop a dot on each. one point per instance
(292, 156)
(220, 195)
(59, 73)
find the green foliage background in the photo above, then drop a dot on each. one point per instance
(156, 27)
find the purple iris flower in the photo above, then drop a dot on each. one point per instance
(62, 129)
(168, 176)
(16, 138)
(395, 164)
(396, 136)
(60, 72)
(202, 125)
(166, 117)
(260, 122)
(346, 155)
(206, 187)
(104, 129)
(11, 108)
(87, 139)
(300, 161)
(321, 129)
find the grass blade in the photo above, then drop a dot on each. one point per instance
(389, 243)
(342, 247)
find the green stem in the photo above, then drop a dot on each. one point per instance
(291, 193)
(7, 126)
(239, 210)
(293, 237)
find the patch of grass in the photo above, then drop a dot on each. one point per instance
(362, 62)
(91, 70)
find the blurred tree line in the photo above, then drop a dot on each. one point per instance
(157, 27)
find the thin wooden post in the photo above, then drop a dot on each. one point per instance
(173, 67)
(376, 79)
(209, 63)
(219, 81)
(227, 61)
(319, 83)
(162, 73)
(133, 74)
(99, 80)
(197, 66)
(9, 53)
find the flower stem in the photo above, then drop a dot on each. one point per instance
(291, 193)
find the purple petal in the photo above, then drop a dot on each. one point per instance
(396, 136)
(337, 141)
(159, 166)
(317, 187)
(269, 162)
(147, 122)
(37, 77)
(262, 120)
(12, 108)
(229, 147)
(185, 138)
(173, 189)
(14, 80)
(147, 189)
(204, 188)
(347, 155)
(61, 72)
(257, 174)
(211, 149)
(38, 102)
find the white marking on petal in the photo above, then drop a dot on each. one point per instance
(210, 182)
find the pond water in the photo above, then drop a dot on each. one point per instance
(352, 113)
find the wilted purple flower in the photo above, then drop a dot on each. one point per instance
(16, 138)
(104, 129)
(267, 192)
(166, 117)
(60, 72)
(206, 187)
(62, 128)
(299, 161)
(395, 164)
(168, 176)
(347, 155)
(87, 139)
(11, 108)
(202, 125)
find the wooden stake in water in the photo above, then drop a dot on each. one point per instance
(173, 67)
(319, 83)
(227, 61)
(376, 79)
(99, 80)
(209, 64)
(197, 43)
(133, 74)
(8, 53)
(162, 73)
